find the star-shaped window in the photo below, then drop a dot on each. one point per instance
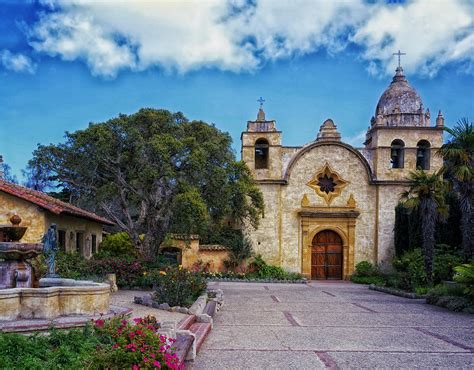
(327, 183)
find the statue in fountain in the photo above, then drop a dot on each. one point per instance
(50, 242)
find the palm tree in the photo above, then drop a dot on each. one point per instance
(458, 167)
(426, 193)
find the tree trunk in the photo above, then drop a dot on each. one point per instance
(428, 224)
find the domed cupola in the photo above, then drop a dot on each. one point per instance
(400, 105)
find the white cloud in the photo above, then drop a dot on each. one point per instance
(431, 33)
(238, 35)
(16, 62)
(357, 140)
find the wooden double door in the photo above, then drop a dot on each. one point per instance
(326, 256)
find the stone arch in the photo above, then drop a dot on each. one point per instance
(342, 234)
(316, 144)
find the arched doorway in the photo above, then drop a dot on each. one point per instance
(326, 256)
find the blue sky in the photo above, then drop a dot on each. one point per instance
(63, 65)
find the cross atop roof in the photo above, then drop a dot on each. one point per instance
(261, 101)
(399, 55)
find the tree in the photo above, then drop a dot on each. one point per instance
(458, 168)
(139, 168)
(426, 194)
(6, 172)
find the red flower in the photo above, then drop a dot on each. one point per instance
(99, 323)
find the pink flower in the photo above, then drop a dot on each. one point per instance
(156, 364)
(99, 323)
(137, 320)
(115, 346)
(135, 367)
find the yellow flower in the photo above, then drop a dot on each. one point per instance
(162, 273)
(180, 267)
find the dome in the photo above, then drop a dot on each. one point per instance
(399, 97)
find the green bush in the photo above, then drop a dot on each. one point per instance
(72, 266)
(446, 258)
(365, 268)
(261, 270)
(177, 286)
(451, 297)
(465, 276)
(107, 344)
(411, 270)
(117, 245)
(376, 280)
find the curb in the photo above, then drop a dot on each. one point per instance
(233, 280)
(399, 293)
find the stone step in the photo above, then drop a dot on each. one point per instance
(186, 322)
(201, 330)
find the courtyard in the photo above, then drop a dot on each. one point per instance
(332, 325)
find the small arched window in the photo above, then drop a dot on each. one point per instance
(423, 155)
(397, 154)
(261, 154)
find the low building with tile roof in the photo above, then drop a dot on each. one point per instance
(78, 230)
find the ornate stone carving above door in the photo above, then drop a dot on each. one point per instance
(327, 183)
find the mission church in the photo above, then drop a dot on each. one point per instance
(329, 205)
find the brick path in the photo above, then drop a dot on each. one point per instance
(332, 325)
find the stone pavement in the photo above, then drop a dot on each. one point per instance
(332, 325)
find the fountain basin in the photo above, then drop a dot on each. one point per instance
(66, 297)
(19, 251)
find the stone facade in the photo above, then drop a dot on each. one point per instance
(329, 185)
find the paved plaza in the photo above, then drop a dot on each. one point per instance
(332, 325)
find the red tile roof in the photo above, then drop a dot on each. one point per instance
(49, 203)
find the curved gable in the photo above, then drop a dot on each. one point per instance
(315, 144)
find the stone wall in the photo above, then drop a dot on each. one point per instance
(266, 240)
(72, 226)
(32, 216)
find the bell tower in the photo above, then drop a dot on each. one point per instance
(401, 138)
(261, 147)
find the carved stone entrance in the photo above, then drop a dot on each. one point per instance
(328, 240)
(326, 256)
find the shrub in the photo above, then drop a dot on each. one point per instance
(136, 346)
(177, 286)
(376, 280)
(465, 277)
(365, 268)
(411, 270)
(72, 266)
(446, 258)
(117, 245)
(260, 269)
(451, 297)
(129, 273)
(108, 344)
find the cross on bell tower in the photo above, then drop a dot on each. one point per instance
(399, 54)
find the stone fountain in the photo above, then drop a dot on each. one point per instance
(15, 270)
(24, 298)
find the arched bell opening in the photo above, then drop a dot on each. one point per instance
(261, 154)
(423, 155)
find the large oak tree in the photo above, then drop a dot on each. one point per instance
(153, 172)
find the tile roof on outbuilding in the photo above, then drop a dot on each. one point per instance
(49, 203)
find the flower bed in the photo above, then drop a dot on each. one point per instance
(113, 343)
